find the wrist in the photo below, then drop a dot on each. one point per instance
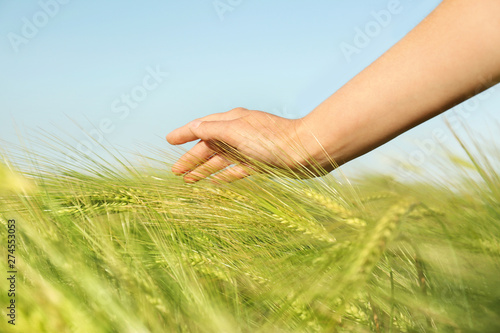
(320, 141)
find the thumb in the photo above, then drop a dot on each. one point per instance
(211, 130)
(194, 130)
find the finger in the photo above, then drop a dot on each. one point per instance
(197, 155)
(229, 115)
(232, 174)
(213, 165)
(197, 129)
(185, 134)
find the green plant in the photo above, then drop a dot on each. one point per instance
(132, 249)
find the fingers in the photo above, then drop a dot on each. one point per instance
(232, 174)
(183, 134)
(189, 131)
(197, 155)
(213, 165)
(197, 129)
(202, 161)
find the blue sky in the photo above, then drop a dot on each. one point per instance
(74, 60)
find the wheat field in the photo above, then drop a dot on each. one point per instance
(121, 247)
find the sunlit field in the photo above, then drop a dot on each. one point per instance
(128, 247)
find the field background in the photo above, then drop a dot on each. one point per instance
(102, 248)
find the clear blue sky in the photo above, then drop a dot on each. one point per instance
(79, 60)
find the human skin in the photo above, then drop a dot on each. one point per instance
(452, 55)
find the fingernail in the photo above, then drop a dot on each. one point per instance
(177, 172)
(190, 180)
(195, 123)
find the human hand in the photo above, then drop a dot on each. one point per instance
(439, 64)
(248, 140)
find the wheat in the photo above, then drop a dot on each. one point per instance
(105, 249)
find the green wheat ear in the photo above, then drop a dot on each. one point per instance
(334, 207)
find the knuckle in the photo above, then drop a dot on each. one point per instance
(238, 110)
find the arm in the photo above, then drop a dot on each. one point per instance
(449, 57)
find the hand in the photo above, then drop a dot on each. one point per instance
(246, 140)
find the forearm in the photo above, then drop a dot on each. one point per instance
(452, 55)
